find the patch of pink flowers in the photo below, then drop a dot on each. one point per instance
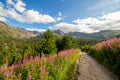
(31, 63)
(108, 43)
(112, 46)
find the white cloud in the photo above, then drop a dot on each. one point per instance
(32, 16)
(20, 6)
(87, 21)
(25, 16)
(10, 2)
(14, 15)
(110, 21)
(64, 27)
(59, 14)
(3, 19)
(105, 6)
(112, 16)
(60, 17)
(2, 11)
(35, 29)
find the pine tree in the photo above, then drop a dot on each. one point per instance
(49, 45)
(68, 42)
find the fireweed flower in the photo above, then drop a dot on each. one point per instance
(29, 77)
(41, 63)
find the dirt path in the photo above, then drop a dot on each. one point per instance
(90, 69)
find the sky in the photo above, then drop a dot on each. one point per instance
(87, 16)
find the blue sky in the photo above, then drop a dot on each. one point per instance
(66, 15)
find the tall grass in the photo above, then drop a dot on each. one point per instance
(53, 67)
(108, 54)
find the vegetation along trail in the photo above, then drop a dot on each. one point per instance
(90, 69)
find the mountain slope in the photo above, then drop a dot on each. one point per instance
(59, 32)
(106, 34)
(9, 32)
(99, 35)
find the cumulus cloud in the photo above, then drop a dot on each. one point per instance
(3, 19)
(20, 6)
(10, 2)
(35, 29)
(2, 11)
(24, 16)
(64, 27)
(60, 17)
(111, 16)
(35, 16)
(110, 21)
(30, 16)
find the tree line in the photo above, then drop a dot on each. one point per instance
(16, 51)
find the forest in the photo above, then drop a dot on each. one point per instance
(38, 58)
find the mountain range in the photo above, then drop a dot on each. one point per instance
(105, 34)
(8, 32)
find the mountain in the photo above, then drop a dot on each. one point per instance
(9, 32)
(59, 32)
(106, 34)
(41, 34)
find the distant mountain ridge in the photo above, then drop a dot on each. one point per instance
(59, 32)
(106, 34)
(8, 32)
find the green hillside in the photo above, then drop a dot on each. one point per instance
(106, 34)
(8, 32)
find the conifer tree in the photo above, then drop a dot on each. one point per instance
(68, 42)
(49, 45)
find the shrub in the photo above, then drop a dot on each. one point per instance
(108, 54)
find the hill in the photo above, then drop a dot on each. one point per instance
(106, 34)
(8, 32)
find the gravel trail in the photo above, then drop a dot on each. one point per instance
(90, 69)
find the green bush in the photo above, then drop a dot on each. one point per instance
(108, 54)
